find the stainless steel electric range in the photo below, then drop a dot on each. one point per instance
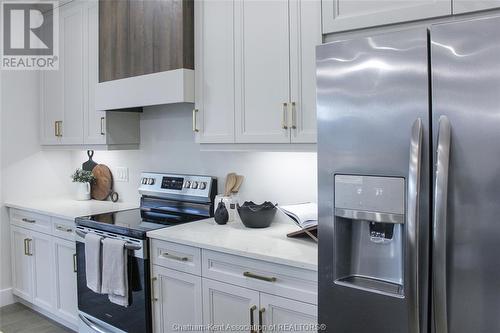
(166, 200)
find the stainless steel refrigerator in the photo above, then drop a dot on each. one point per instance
(409, 180)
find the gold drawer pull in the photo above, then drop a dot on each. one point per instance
(75, 264)
(63, 228)
(28, 220)
(174, 257)
(259, 277)
(195, 126)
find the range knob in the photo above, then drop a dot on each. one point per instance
(151, 181)
(187, 184)
(203, 185)
(194, 185)
(143, 181)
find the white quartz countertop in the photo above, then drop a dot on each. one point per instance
(65, 208)
(268, 244)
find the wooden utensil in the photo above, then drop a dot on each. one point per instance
(102, 187)
(230, 182)
(237, 185)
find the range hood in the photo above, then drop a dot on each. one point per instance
(146, 54)
(168, 87)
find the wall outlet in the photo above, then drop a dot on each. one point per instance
(121, 175)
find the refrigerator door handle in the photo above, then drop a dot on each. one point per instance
(412, 225)
(439, 226)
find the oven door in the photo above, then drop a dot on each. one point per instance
(136, 318)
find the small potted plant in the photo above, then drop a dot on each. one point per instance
(82, 180)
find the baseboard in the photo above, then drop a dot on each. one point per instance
(6, 297)
(49, 315)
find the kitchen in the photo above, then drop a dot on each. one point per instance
(162, 92)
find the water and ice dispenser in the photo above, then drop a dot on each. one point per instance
(369, 233)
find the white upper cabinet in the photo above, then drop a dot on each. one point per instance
(262, 63)
(342, 15)
(305, 35)
(214, 76)
(68, 113)
(255, 71)
(465, 6)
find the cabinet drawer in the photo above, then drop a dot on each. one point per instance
(30, 220)
(176, 256)
(63, 228)
(276, 279)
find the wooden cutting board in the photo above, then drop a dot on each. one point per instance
(103, 184)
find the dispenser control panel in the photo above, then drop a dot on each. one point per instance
(370, 194)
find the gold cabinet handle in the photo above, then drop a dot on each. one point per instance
(102, 126)
(261, 312)
(27, 247)
(28, 220)
(284, 120)
(259, 277)
(252, 309)
(75, 264)
(294, 115)
(174, 257)
(63, 228)
(26, 253)
(153, 280)
(195, 127)
(58, 128)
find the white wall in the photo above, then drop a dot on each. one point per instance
(168, 145)
(26, 171)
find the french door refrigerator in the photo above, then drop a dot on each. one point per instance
(409, 180)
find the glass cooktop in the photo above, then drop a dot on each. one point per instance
(133, 222)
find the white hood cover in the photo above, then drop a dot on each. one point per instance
(176, 86)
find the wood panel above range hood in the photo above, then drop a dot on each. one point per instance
(146, 43)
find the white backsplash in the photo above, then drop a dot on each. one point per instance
(167, 145)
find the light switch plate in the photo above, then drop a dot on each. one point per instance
(121, 174)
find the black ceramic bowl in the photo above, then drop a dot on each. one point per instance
(256, 216)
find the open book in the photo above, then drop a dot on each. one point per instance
(305, 214)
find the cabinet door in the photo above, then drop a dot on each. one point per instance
(284, 315)
(21, 263)
(342, 15)
(66, 305)
(51, 100)
(177, 299)
(40, 249)
(94, 121)
(214, 74)
(225, 305)
(71, 47)
(305, 28)
(465, 6)
(262, 80)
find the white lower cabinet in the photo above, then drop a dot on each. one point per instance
(219, 292)
(40, 249)
(21, 263)
(226, 306)
(466, 6)
(65, 305)
(284, 315)
(44, 267)
(176, 300)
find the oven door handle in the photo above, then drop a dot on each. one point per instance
(95, 327)
(128, 245)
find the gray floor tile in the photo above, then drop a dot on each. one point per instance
(17, 318)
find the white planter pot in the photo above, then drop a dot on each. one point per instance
(82, 191)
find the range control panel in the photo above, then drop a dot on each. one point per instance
(188, 185)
